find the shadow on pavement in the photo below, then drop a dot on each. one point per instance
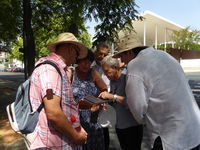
(9, 140)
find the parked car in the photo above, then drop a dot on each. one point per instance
(16, 69)
(8, 69)
(2, 69)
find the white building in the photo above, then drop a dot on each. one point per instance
(4, 61)
(154, 29)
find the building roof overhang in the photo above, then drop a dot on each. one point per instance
(154, 29)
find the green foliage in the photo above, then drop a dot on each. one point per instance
(51, 17)
(187, 39)
(113, 16)
(14, 52)
(85, 39)
(10, 22)
(162, 46)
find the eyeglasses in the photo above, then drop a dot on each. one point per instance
(103, 54)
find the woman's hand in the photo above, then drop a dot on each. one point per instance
(84, 104)
(105, 95)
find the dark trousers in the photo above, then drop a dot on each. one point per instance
(196, 148)
(158, 145)
(130, 138)
(106, 138)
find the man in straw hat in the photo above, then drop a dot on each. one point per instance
(58, 125)
(159, 96)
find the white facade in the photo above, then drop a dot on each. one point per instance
(4, 60)
(191, 65)
(3, 57)
(153, 29)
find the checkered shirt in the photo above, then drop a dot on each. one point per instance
(43, 78)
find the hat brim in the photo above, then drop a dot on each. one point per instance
(117, 55)
(82, 48)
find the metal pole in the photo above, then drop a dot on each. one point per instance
(165, 39)
(156, 37)
(144, 35)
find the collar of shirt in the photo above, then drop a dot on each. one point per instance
(59, 61)
(93, 64)
(97, 67)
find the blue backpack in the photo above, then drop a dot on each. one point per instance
(22, 118)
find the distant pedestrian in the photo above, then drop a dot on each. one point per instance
(159, 96)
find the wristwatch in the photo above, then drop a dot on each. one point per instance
(114, 97)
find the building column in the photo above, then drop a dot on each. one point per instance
(156, 36)
(144, 35)
(165, 39)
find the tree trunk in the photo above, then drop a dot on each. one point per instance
(29, 43)
(73, 28)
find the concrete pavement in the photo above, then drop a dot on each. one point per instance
(9, 82)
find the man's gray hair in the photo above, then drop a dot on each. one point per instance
(110, 61)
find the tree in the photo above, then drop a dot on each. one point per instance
(15, 53)
(187, 39)
(10, 22)
(28, 39)
(113, 15)
(44, 19)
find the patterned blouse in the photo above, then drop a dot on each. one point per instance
(88, 119)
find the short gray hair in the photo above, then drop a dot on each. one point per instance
(110, 61)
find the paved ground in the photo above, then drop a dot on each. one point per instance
(9, 82)
(194, 82)
(11, 141)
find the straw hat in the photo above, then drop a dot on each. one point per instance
(127, 43)
(69, 38)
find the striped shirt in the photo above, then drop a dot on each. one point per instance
(43, 78)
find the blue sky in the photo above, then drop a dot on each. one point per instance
(182, 12)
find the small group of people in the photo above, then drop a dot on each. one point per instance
(151, 90)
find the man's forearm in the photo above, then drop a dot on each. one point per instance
(60, 122)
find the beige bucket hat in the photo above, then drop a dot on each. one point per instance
(127, 43)
(69, 38)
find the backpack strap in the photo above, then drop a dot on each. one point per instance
(50, 63)
(58, 70)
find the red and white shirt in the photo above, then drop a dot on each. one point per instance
(46, 77)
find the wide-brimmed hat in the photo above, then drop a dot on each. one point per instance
(69, 38)
(126, 43)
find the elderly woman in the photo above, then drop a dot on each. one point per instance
(87, 81)
(129, 132)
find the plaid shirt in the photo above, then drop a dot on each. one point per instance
(43, 78)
